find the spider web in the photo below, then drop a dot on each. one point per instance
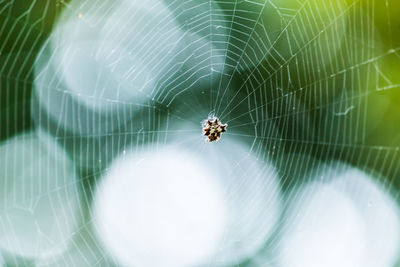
(302, 84)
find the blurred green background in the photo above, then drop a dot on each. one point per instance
(323, 87)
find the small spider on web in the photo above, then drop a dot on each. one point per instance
(213, 129)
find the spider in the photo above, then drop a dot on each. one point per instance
(213, 128)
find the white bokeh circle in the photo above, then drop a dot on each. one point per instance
(39, 203)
